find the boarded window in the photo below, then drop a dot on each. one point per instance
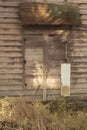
(44, 54)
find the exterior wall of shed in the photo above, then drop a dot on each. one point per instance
(12, 73)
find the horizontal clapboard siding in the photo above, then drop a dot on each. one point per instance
(11, 57)
(78, 53)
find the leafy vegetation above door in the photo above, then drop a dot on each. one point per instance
(49, 14)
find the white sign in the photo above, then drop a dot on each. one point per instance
(65, 79)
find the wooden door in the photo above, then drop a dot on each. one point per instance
(43, 56)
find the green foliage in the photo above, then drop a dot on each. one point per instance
(21, 114)
(67, 13)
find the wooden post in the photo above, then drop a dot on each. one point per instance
(45, 69)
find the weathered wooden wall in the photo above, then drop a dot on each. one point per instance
(78, 53)
(11, 61)
(19, 44)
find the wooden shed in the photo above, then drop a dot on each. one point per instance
(32, 54)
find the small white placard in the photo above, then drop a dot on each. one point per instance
(65, 79)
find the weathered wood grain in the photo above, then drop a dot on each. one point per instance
(10, 82)
(10, 20)
(14, 59)
(79, 91)
(83, 6)
(83, 11)
(9, 3)
(84, 17)
(11, 76)
(79, 1)
(10, 71)
(10, 65)
(21, 93)
(10, 37)
(10, 31)
(9, 10)
(9, 15)
(10, 26)
(10, 54)
(78, 86)
(10, 49)
(10, 87)
(10, 43)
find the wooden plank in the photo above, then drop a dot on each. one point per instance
(10, 65)
(9, 10)
(80, 54)
(80, 32)
(83, 28)
(84, 17)
(10, 26)
(39, 64)
(79, 49)
(76, 45)
(79, 96)
(29, 51)
(79, 59)
(9, 20)
(83, 6)
(81, 35)
(20, 93)
(84, 22)
(34, 82)
(32, 45)
(53, 81)
(34, 64)
(34, 57)
(9, 3)
(79, 1)
(33, 85)
(80, 91)
(56, 1)
(78, 75)
(10, 54)
(10, 87)
(79, 80)
(9, 15)
(39, 71)
(53, 71)
(10, 43)
(56, 52)
(10, 49)
(57, 57)
(78, 86)
(53, 91)
(11, 76)
(83, 11)
(79, 40)
(10, 71)
(79, 69)
(33, 71)
(79, 65)
(35, 38)
(10, 82)
(11, 59)
(10, 37)
(10, 31)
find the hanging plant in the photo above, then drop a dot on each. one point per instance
(49, 14)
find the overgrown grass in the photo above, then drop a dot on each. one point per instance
(21, 114)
